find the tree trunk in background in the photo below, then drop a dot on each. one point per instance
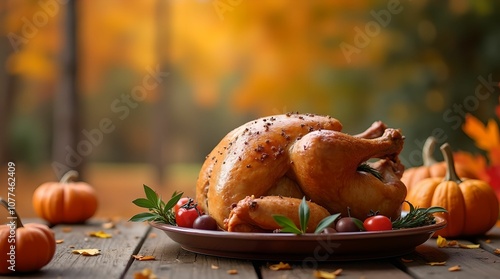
(66, 152)
(160, 121)
(6, 100)
(8, 84)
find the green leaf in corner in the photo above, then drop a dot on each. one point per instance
(326, 222)
(304, 214)
(286, 224)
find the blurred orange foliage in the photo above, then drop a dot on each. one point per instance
(487, 138)
(277, 49)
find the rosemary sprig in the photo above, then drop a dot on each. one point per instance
(417, 217)
(364, 167)
(287, 225)
(159, 211)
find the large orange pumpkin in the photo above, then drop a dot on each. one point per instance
(65, 201)
(431, 167)
(471, 203)
(24, 248)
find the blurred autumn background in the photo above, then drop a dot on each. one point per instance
(133, 92)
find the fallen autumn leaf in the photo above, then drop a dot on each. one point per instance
(87, 252)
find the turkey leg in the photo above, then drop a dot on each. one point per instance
(325, 165)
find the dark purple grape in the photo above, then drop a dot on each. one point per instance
(205, 222)
(346, 224)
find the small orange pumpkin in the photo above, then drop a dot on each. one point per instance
(472, 204)
(24, 248)
(431, 167)
(65, 201)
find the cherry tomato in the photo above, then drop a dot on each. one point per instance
(184, 217)
(180, 203)
(186, 211)
(377, 223)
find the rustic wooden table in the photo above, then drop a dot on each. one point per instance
(171, 261)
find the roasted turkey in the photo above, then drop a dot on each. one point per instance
(268, 165)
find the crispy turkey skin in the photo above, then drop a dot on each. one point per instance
(294, 155)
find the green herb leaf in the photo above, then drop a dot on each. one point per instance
(145, 216)
(326, 222)
(435, 209)
(358, 223)
(141, 202)
(304, 214)
(173, 200)
(150, 194)
(286, 224)
(159, 211)
(417, 217)
(364, 167)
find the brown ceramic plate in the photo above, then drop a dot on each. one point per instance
(307, 247)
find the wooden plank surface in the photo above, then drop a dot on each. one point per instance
(491, 241)
(111, 263)
(473, 263)
(171, 261)
(373, 269)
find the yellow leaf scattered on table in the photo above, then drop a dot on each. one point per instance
(100, 234)
(215, 266)
(441, 242)
(469, 246)
(59, 241)
(108, 225)
(320, 274)
(87, 252)
(280, 266)
(232, 271)
(146, 273)
(67, 229)
(338, 271)
(144, 258)
(437, 263)
(152, 235)
(454, 268)
(488, 241)
(496, 251)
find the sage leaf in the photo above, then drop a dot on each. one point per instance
(145, 203)
(159, 211)
(286, 224)
(150, 194)
(173, 201)
(145, 216)
(326, 222)
(304, 214)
